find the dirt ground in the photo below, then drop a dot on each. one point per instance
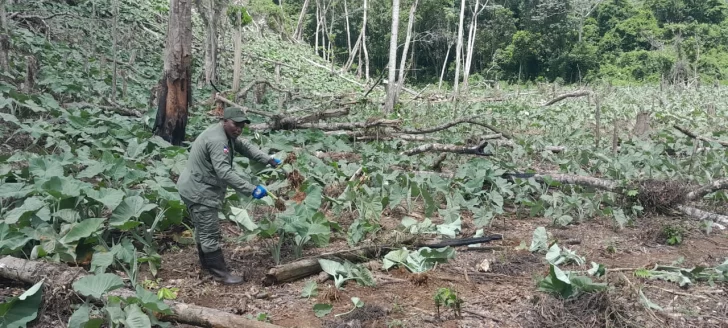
(505, 296)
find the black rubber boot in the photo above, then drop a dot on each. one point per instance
(217, 267)
(203, 264)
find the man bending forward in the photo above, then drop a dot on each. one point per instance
(203, 183)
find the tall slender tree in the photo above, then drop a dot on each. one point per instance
(391, 83)
(175, 93)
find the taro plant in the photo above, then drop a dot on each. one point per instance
(448, 298)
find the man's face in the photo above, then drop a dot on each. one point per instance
(233, 129)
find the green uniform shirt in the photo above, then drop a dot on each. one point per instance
(209, 167)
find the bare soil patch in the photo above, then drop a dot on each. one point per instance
(505, 296)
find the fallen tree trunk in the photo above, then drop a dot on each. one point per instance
(584, 181)
(435, 147)
(310, 266)
(695, 136)
(61, 275)
(575, 94)
(708, 188)
(702, 215)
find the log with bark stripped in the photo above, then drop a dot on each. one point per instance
(58, 275)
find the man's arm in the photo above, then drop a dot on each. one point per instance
(249, 150)
(224, 170)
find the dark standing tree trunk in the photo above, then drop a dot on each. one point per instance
(175, 93)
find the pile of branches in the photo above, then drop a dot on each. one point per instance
(375, 129)
(600, 309)
(656, 196)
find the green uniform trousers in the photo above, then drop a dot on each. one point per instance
(207, 226)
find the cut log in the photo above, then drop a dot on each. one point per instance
(303, 268)
(584, 181)
(695, 136)
(709, 188)
(575, 94)
(61, 275)
(440, 148)
(702, 215)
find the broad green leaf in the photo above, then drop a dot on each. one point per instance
(483, 217)
(150, 301)
(11, 240)
(111, 198)
(8, 117)
(310, 289)
(450, 229)
(97, 285)
(116, 314)
(62, 187)
(83, 229)
(331, 267)
(597, 270)
(322, 310)
(18, 311)
(357, 302)
(241, 216)
(395, 257)
(553, 256)
(539, 242)
(135, 318)
(14, 190)
(45, 168)
(620, 218)
(131, 208)
(100, 261)
(124, 251)
(30, 205)
(80, 317)
(92, 170)
(68, 215)
(135, 149)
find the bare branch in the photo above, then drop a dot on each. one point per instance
(695, 136)
(575, 94)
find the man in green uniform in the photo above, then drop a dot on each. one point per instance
(203, 183)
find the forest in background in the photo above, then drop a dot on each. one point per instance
(620, 41)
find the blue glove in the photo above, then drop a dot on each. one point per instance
(274, 162)
(259, 192)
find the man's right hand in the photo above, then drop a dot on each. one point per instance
(259, 192)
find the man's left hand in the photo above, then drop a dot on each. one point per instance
(274, 162)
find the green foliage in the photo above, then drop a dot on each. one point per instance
(418, 261)
(567, 285)
(117, 311)
(238, 16)
(448, 298)
(321, 310)
(18, 311)
(347, 271)
(673, 235)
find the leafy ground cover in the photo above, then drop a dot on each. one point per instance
(84, 182)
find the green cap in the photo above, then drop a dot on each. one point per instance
(235, 114)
